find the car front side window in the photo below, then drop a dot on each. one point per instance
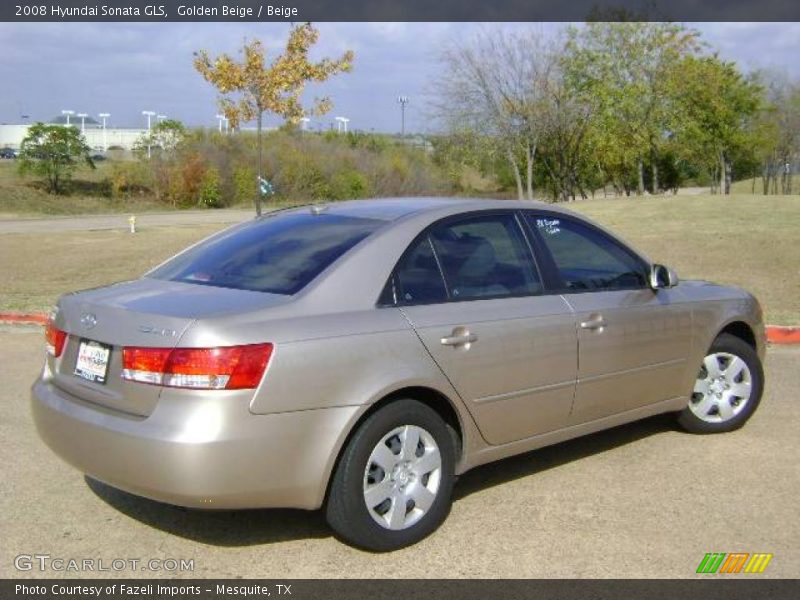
(585, 258)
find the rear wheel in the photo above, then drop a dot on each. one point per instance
(727, 390)
(393, 484)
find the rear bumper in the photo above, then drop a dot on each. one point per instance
(205, 451)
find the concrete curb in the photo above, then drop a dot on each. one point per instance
(776, 334)
(18, 317)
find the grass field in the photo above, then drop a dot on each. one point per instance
(750, 241)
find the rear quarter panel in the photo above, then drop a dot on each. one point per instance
(322, 361)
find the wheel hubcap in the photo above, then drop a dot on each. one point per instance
(723, 388)
(402, 477)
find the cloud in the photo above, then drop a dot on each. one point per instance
(124, 68)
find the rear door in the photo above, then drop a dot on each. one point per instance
(472, 291)
(632, 340)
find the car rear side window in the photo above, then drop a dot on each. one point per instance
(586, 258)
(417, 277)
(485, 257)
(279, 254)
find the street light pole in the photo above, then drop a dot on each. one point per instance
(403, 100)
(83, 121)
(149, 114)
(67, 113)
(104, 116)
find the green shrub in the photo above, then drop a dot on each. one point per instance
(349, 184)
(210, 194)
(209, 169)
(244, 185)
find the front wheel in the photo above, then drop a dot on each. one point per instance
(727, 390)
(393, 484)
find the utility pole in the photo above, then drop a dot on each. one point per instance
(403, 100)
(341, 124)
(149, 114)
(104, 116)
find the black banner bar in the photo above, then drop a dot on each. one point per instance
(714, 587)
(399, 10)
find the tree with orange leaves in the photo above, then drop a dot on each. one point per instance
(251, 88)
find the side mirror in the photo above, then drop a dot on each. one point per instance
(662, 277)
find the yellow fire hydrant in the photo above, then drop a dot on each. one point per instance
(132, 223)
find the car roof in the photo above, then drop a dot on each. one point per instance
(391, 209)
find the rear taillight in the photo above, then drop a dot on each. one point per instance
(54, 338)
(223, 368)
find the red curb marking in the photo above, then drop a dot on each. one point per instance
(775, 333)
(39, 318)
(783, 335)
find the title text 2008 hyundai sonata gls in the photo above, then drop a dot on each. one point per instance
(360, 355)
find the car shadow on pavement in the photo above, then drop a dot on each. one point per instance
(550, 457)
(266, 526)
(217, 527)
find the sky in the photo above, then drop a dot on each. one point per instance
(125, 68)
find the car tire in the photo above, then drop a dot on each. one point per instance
(727, 390)
(379, 461)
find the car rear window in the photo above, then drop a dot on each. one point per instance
(279, 254)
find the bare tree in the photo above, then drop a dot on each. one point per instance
(496, 84)
(783, 147)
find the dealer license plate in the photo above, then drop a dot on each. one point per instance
(92, 363)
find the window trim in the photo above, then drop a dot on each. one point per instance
(476, 214)
(555, 281)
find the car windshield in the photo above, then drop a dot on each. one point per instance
(279, 254)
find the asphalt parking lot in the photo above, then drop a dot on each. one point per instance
(643, 500)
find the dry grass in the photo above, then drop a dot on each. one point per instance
(37, 268)
(750, 241)
(22, 196)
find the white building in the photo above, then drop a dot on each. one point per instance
(97, 138)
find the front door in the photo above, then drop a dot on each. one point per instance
(632, 340)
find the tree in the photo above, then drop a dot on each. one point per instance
(53, 152)
(779, 129)
(160, 149)
(716, 107)
(251, 88)
(628, 68)
(163, 138)
(496, 85)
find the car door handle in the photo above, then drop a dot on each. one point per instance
(460, 337)
(594, 323)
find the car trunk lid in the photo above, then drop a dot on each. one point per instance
(145, 312)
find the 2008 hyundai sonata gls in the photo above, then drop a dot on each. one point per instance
(362, 354)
